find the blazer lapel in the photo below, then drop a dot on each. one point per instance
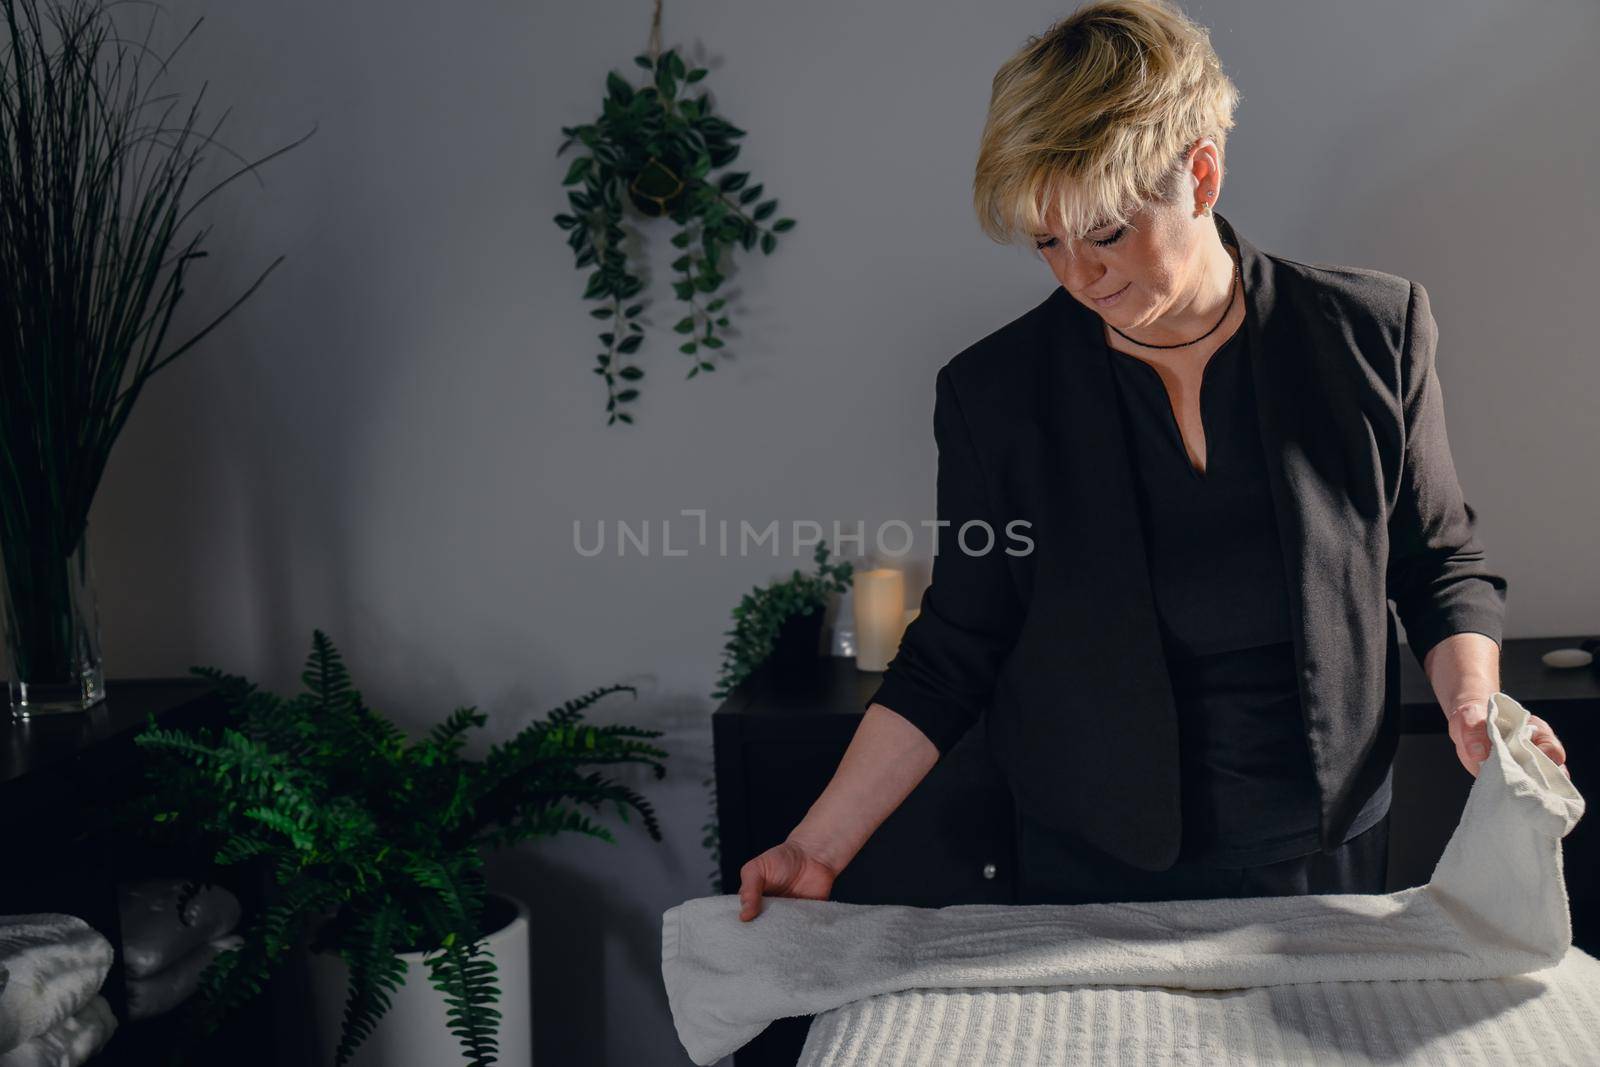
(1093, 612)
(1305, 481)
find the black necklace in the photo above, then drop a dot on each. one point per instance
(1233, 294)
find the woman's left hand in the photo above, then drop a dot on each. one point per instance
(1469, 729)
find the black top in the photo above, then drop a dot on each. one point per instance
(1249, 793)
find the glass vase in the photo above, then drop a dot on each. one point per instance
(52, 627)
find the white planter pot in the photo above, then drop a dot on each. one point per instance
(415, 1031)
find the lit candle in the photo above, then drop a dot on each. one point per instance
(880, 608)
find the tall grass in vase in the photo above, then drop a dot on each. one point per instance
(92, 185)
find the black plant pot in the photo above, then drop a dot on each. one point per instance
(794, 652)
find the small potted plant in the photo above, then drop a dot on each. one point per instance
(375, 846)
(780, 623)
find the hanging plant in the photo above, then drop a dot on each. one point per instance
(655, 150)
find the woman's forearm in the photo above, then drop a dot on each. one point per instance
(1464, 668)
(886, 759)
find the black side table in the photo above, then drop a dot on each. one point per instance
(59, 777)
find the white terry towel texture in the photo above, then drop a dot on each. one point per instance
(1495, 906)
(1547, 1017)
(155, 936)
(70, 1042)
(50, 967)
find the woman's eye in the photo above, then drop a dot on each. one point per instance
(1102, 242)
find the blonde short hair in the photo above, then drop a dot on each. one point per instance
(1095, 116)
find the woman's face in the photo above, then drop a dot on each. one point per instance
(1132, 276)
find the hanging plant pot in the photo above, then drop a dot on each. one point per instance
(655, 189)
(52, 622)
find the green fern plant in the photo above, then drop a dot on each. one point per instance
(375, 841)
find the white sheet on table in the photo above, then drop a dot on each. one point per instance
(1550, 1016)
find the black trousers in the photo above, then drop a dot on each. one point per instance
(1056, 870)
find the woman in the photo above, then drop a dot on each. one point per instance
(1229, 463)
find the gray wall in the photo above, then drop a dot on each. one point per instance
(392, 438)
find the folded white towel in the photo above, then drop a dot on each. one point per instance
(54, 964)
(159, 993)
(154, 936)
(70, 1042)
(1495, 906)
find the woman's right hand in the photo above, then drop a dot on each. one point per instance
(786, 870)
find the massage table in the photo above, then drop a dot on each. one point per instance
(1476, 966)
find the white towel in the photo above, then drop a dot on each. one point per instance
(53, 965)
(1495, 906)
(154, 936)
(159, 993)
(70, 1042)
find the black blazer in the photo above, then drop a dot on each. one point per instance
(1060, 645)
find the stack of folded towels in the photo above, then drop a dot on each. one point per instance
(51, 1011)
(164, 951)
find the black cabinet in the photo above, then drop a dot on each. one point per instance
(780, 735)
(778, 742)
(62, 780)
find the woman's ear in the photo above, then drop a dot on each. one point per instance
(1205, 172)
